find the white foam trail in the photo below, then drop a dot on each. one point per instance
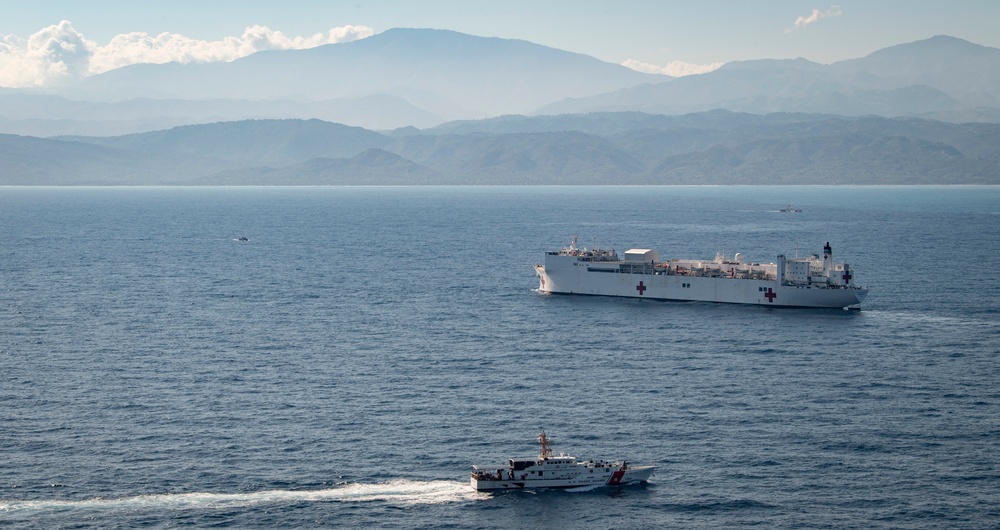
(930, 318)
(582, 489)
(396, 492)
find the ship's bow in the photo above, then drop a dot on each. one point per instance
(543, 278)
(638, 474)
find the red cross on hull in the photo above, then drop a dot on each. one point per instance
(641, 288)
(770, 295)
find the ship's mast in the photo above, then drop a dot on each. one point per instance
(544, 441)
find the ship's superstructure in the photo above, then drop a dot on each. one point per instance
(556, 471)
(790, 282)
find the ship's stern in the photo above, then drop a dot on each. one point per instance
(859, 296)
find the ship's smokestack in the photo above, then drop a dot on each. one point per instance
(827, 259)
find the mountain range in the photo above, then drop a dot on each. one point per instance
(417, 106)
(426, 77)
(716, 147)
(939, 78)
(401, 77)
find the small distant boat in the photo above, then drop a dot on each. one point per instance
(242, 238)
(551, 471)
(790, 209)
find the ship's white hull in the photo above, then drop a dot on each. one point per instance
(586, 477)
(572, 279)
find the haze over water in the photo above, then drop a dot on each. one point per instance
(349, 361)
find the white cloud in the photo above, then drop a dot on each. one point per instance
(59, 52)
(52, 53)
(802, 22)
(673, 68)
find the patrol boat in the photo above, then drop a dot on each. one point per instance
(791, 282)
(556, 471)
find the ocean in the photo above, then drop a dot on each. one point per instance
(348, 362)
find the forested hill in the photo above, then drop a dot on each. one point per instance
(717, 147)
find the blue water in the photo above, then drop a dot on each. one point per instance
(349, 362)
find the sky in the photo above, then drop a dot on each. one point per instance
(45, 41)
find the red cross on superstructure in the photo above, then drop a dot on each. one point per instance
(847, 277)
(641, 288)
(770, 295)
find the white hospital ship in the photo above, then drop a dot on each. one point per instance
(791, 282)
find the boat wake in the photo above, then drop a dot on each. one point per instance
(401, 492)
(924, 320)
(583, 489)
